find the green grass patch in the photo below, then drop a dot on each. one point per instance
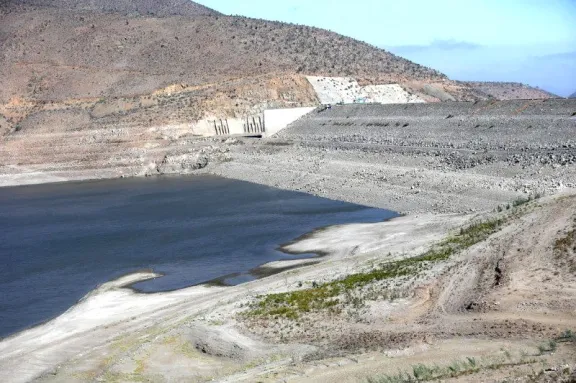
(548, 347)
(458, 368)
(567, 336)
(326, 296)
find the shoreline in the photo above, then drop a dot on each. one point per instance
(122, 311)
(116, 325)
(434, 170)
(264, 270)
(278, 264)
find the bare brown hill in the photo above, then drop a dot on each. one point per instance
(509, 91)
(50, 54)
(127, 7)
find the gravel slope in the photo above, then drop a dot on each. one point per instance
(449, 157)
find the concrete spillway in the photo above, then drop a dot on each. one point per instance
(266, 124)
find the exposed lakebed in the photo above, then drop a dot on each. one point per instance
(60, 241)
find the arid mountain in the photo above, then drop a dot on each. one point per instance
(509, 90)
(104, 85)
(126, 7)
(108, 85)
(573, 95)
(51, 54)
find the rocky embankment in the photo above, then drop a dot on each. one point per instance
(449, 157)
(442, 157)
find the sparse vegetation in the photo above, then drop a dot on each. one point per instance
(566, 243)
(547, 347)
(565, 251)
(470, 365)
(379, 124)
(567, 336)
(521, 201)
(327, 296)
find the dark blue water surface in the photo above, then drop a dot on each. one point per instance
(60, 241)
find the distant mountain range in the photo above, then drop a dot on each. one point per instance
(573, 95)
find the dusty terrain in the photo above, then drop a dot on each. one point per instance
(99, 89)
(55, 54)
(105, 89)
(476, 284)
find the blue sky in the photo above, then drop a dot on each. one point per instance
(529, 41)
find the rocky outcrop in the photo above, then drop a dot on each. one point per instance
(182, 164)
(333, 90)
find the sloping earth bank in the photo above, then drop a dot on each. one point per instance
(449, 157)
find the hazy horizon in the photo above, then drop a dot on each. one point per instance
(525, 41)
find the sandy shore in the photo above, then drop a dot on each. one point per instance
(114, 310)
(503, 300)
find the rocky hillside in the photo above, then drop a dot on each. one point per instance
(82, 65)
(54, 54)
(509, 91)
(125, 7)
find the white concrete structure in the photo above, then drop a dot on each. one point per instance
(277, 119)
(332, 90)
(389, 94)
(267, 124)
(229, 126)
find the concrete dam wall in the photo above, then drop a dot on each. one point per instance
(266, 124)
(227, 126)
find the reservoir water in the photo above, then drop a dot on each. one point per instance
(60, 241)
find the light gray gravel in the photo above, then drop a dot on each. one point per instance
(448, 157)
